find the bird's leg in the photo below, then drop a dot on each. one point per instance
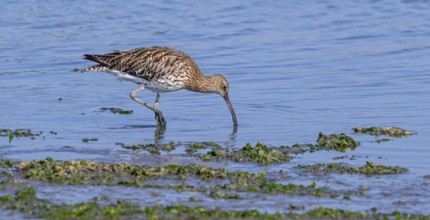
(156, 101)
(133, 96)
(160, 118)
(158, 114)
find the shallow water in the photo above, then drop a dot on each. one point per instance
(295, 69)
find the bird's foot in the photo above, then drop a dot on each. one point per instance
(161, 121)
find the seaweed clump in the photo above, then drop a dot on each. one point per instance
(26, 201)
(117, 111)
(151, 148)
(127, 175)
(18, 133)
(386, 131)
(87, 139)
(338, 142)
(260, 153)
(368, 169)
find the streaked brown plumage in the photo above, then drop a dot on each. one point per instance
(160, 69)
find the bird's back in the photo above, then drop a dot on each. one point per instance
(148, 63)
(159, 68)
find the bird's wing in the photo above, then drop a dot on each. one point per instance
(147, 63)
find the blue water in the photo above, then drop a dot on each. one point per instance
(295, 69)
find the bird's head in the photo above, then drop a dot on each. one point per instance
(220, 86)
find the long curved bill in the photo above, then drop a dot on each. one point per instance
(233, 115)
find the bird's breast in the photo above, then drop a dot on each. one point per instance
(159, 85)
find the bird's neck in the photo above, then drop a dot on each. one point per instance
(201, 83)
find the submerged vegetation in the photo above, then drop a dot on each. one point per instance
(124, 174)
(386, 131)
(11, 134)
(6, 163)
(151, 148)
(26, 201)
(87, 139)
(22, 133)
(260, 153)
(368, 169)
(337, 142)
(117, 111)
(18, 194)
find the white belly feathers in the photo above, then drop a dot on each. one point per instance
(159, 86)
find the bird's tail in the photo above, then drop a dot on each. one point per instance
(104, 61)
(97, 68)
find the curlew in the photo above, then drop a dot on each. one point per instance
(160, 69)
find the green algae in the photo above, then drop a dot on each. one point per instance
(333, 142)
(193, 148)
(91, 173)
(199, 212)
(25, 200)
(151, 148)
(368, 169)
(8, 180)
(217, 195)
(382, 140)
(260, 153)
(86, 139)
(271, 187)
(6, 163)
(92, 210)
(116, 111)
(17, 133)
(83, 172)
(352, 157)
(386, 131)
(123, 174)
(22, 133)
(337, 142)
(297, 148)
